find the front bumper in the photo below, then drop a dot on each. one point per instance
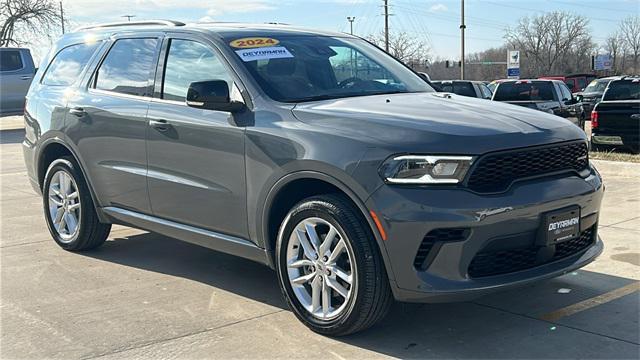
(510, 219)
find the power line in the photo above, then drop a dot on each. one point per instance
(542, 11)
(591, 6)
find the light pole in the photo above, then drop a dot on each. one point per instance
(62, 17)
(462, 27)
(351, 19)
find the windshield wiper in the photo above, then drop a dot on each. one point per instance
(347, 95)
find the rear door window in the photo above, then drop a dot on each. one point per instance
(189, 61)
(67, 65)
(128, 67)
(525, 91)
(464, 88)
(582, 83)
(570, 83)
(10, 60)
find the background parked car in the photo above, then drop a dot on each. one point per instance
(575, 82)
(16, 71)
(592, 94)
(551, 96)
(475, 89)
(616, 119)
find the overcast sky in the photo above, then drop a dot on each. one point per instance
(436, 21)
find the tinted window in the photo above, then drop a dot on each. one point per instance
(623, 90)
(187, 62)
(524, 91)
(128, 67)
(582, 83)
(68, 64)
(570, 83)
(464, 88)
(10, 60)
(566, 93)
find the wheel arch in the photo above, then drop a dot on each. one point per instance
(306, 184)
(54, 149)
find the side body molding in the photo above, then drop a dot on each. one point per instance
(205, 238)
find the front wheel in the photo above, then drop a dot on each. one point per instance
(329, 267)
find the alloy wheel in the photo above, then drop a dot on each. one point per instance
(64, 205)
(320, 267)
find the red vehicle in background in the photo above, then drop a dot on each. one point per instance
(575, 82)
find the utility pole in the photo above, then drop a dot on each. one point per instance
(462, 27)
(351, 19)
(62, 17)
(386, 25)
(128, 17)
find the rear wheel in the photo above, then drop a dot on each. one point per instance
(69, 210)
(329, 267)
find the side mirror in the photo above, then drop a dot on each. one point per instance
(212, 95)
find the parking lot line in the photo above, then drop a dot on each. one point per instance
(592, 302)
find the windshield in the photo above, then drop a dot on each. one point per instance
(524, 91)
(307, 68)
(597, 86)
(623, 90)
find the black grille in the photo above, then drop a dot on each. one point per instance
(508, 261)
(433, 237)
(496, 172)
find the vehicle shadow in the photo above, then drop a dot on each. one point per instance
(504, 325)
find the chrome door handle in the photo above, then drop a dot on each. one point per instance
(635, 116)
(77, 111)
(160, 124)
(25, 77)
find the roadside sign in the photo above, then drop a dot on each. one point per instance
(602, 62)
(513, 64)
(513, 73)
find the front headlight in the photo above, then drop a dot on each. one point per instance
(425, 169)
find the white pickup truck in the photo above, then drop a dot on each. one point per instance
(16, 72)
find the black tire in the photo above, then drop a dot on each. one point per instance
(91, 232)
(372, 295)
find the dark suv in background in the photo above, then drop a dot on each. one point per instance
(476, 89)
(550, 96)
(354, 180)
(592, 94)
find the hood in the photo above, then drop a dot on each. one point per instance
(437, 122)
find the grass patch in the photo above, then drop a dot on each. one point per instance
(614, 156)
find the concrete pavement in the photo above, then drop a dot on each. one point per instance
(146, 295)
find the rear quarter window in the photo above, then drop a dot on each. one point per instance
(623, 90)
(10, 60)
(525, 91)
(66, 66)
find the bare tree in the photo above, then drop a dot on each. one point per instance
(21, 18)
(406, 48)
(630, 33)
(551, 41)
(615, 47)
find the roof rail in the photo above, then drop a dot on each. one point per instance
(131, 23)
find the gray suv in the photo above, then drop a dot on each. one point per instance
(314, 153)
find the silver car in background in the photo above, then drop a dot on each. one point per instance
(16, 72)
